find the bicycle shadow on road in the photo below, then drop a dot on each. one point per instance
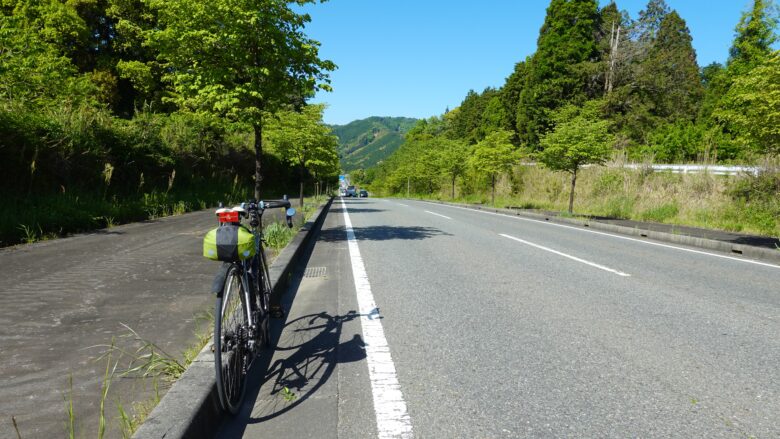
(313, 349)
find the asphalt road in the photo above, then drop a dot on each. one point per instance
(60, 300)
(504, 327)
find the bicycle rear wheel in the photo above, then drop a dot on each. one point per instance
(231, 353)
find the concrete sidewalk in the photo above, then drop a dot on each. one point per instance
(319, 356)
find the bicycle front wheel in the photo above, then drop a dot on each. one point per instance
(264, 294)
(231, 353)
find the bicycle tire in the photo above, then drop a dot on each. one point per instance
(231, 353)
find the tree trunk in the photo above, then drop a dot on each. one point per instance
(571, 194)
(258, 128)
(453, 187)
(493, 191)
(300, 200)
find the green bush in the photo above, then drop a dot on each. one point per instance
(608, 182)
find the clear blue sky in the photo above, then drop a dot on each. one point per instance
(415, 58)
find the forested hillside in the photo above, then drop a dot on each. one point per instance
(120, 110)
(605, 86)
(364, 143)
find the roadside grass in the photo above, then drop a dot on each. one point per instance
(744, 203)
(145, 360)
(36, 217)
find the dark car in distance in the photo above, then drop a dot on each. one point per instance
(363, 193)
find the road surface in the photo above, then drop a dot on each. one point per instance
(435, 321)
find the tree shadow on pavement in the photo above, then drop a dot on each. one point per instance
(357, 210)
(382, 233)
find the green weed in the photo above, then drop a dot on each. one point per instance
(278, 235)
(288, 394)
(661, 213)
(71, 425)
(29, 233)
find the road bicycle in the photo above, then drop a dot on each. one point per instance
(243, 289)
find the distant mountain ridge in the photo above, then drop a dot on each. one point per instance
(364, 143)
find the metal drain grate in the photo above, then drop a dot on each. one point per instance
(314, 272)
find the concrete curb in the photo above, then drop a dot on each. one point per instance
(746, 251)
(190, 408)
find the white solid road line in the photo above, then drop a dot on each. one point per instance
(392, 418)
(657, 244)
(438, 214)
(574, 258)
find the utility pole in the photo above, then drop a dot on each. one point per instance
(407, 186)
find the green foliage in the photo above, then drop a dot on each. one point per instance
(557, 74)
(278, 235)
(237, 58)
(494, 155)
(305, 142)
(755, 36)
(751, 107)
(580, 137)
(661, 213)
(669, 76)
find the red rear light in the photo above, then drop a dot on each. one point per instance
(228, 217)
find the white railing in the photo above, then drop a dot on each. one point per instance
(697, 169)
(683, 169)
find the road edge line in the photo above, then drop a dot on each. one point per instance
(392, 417)
(750, 254)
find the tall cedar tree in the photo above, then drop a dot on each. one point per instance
(670, 74)
(558, 73)
(510, 97)
(755, 37)
(649, 23)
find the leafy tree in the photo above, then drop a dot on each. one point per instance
(752, 107)
(304, 141)
(453, 160)
(238, 59)
(494, 156)
(33, 71)
(559, 72)
(580, 137)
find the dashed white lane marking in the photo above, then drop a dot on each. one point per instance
(405, 205)
(438, 214)
(574, 258)
(392, 418)
(626, 238)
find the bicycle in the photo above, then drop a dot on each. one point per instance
(243, 289)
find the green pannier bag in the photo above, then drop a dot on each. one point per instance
(229, 243)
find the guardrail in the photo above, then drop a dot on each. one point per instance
(697, 169)
(683, 169)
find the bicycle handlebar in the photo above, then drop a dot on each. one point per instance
(273, 204)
